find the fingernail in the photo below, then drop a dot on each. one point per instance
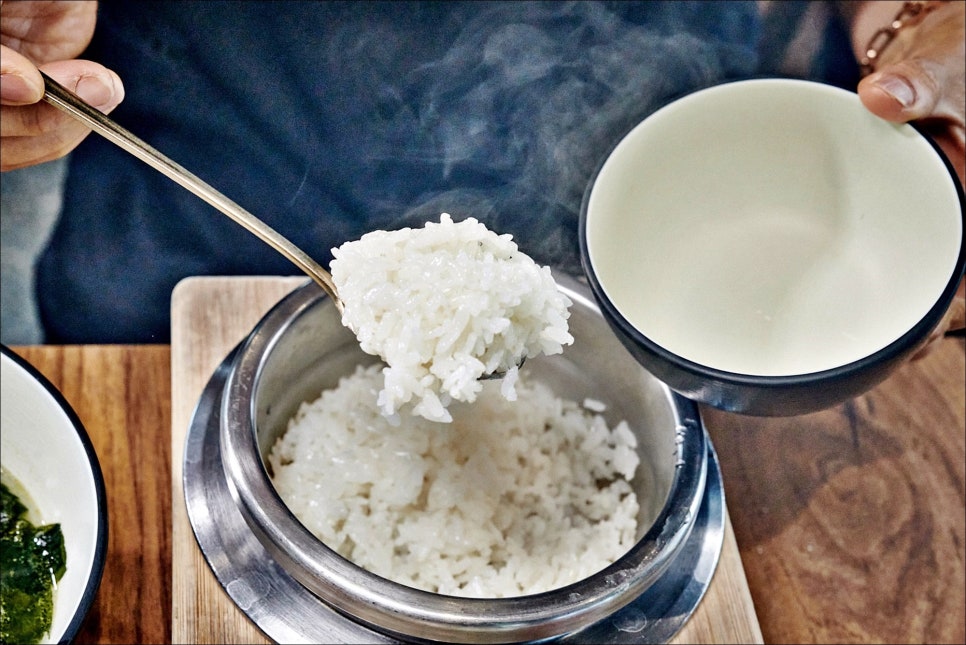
(898, 88)
(96, 90)
(16, 90)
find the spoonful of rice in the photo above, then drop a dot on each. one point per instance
(446, 306)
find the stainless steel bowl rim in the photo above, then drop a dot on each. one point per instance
(401, 610)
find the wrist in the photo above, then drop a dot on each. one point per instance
(876, 24)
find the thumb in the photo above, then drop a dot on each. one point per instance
(20, 82)
(905, 91)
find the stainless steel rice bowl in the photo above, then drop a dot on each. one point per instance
(300, 347)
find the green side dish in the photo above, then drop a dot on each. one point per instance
(32, 560)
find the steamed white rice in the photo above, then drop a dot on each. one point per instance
(509, 499)
(444, 305)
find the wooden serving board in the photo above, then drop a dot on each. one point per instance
(209, 316)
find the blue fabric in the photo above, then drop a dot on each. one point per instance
(328, 120)
(833, 60)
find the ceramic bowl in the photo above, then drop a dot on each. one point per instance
(46, 449)
(301, 347)
(770, 247)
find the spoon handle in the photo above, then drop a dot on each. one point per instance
(60, 97)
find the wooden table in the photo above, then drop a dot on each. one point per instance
(850, 522)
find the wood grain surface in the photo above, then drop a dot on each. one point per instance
(849, 522)
(209, 317)
(122, 396)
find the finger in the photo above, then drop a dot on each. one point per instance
(48, 31)
(33, 134)
(953, 320)
(96, 84)
(93, 82)
(20, 152)
(905, 91)
(20, 82)
(956, 315)
(921, 75)
(951, 140)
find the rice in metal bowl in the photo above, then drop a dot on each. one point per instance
(301, 348)
(509, 499)
(445, 305)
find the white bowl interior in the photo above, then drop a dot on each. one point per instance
(42, 450)
(773, 227)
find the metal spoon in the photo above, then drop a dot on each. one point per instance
(60, 97)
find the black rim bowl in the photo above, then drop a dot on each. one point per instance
(771, 395)
(101, 541)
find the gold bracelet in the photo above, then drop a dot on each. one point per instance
(909, 15)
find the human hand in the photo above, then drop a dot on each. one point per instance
(920, 77)
(47, 35)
